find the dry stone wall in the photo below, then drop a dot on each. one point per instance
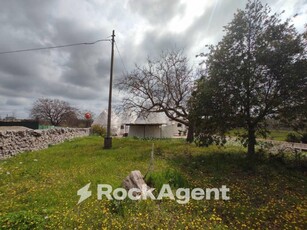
(14, 142)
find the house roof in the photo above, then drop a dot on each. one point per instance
(151, 119)
(102, 119)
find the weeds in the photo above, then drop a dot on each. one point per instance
(264, 192)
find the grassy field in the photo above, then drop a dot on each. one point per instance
(277, 135)
(38, 190)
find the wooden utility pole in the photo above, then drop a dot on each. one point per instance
(108, 138)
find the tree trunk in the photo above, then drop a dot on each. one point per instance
(251, 142)
(190, 135)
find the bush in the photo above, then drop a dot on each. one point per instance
(304, 138)
(204, 140)
(98, 130)
(171, 177)
(292, 137)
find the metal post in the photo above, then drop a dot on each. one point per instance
(108, 138)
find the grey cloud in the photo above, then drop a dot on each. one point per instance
(86, 69)
(27, 12)
(29, 20)
(17, 101)
(24, 73)
(81, 74)
(213, 20)
(82, 68)
(155, 42)
(210, 24)
(71, 92)
(157, 11)
(68, 30)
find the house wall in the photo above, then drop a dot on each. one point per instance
(123, 129)
(164, 131)
(169, 131)
(145, 131)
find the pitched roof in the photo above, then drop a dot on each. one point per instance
(150, 119)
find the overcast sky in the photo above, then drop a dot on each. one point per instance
(80, 75)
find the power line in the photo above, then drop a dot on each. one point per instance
(54, 47)
(120, 57)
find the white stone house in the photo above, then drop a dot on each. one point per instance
(155, 125)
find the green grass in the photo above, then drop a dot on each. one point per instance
(278, 135)
(38, 190)
(274, 134)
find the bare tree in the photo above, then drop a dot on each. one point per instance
(162, 85)
(53, 111)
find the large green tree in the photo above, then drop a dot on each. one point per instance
(257, 71)
(296, 116)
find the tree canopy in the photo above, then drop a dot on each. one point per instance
(257, 71)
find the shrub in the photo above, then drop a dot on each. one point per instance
(171, 177)
(292, 137)
(304, 138)
(204, 140)
(98, 130)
